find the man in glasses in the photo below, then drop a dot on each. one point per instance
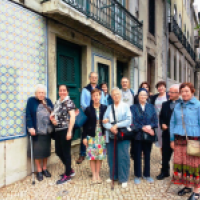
(164, 119)
(85, 102)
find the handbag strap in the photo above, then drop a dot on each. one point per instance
(183, 122)
(113, 112)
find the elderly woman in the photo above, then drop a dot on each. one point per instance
(122, 157)
(186, 120)
(94, 135)
(157, 100)
(38, 110)
(63, 118)
(145, 121)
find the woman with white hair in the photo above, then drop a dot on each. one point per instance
(38, 125)
(123, 119)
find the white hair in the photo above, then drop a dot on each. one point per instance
(115, 89)
(93, 73)
(40, 86)
(176, 86)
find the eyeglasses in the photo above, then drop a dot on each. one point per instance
(173, 92)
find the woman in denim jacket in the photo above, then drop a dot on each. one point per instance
(123, 118)
(186, 167)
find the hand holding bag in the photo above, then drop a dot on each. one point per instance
(193, 146)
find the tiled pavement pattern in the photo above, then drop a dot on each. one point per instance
(80, 187)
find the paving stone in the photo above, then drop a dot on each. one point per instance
(81, 189)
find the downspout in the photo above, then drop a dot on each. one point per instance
(47, 59)
(167, 40)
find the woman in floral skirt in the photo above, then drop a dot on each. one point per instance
(94, 135)
(186, 119)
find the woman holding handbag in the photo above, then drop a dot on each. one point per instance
(184, 129)
(63, 118)
(145, 121)
(121, 155)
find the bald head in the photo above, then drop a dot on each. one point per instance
(174, 92)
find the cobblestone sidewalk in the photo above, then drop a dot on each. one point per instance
(80, 187)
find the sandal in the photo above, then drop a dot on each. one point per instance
(184, 191)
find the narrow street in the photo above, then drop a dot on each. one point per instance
(81, 189)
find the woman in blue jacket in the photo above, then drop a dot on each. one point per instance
(145, 121)
(38, 111)
(186, 167)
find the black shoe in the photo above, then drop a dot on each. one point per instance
(46, 173)
(64, 179)
(194, 196)
(39, 176)
(72, 173)
(184, 191)
(162, 175)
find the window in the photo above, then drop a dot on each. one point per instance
(180, 72)
(169, 65)
(185, 29)
(152, 17)
(188, 35)
(175, 68)
(103, 73)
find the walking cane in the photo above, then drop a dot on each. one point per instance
(32, 162)
(114, 152)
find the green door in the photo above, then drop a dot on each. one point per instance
(68, 71)
(120, 73)
(103, 74)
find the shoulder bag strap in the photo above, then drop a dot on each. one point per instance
(183, 122)
(113, 112)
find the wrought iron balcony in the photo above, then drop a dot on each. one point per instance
(179, 38)
(112, 15)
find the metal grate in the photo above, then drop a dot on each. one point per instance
(67, 69)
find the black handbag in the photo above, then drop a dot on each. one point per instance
(123, 133)
(149, 138)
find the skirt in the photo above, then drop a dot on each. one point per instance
(41, 146)
(186, 167)
(96, 149)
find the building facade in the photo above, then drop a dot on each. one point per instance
(58, 42)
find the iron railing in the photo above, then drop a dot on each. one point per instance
(112, 15)
(174, 27)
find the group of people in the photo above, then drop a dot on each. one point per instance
(164, 118)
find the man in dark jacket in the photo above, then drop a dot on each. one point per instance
(164, 120)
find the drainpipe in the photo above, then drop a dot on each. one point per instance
(167, 39)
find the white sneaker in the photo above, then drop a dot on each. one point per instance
(124, 185)
(108, 180)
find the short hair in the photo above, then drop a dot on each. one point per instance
(187, 84)
(177, 86)
(40, 86)
(104, 83)
(93, 73)
(115, 89)
(64, 86)
(146, 83)
(124, 78)
(95, 90)
(159, 83)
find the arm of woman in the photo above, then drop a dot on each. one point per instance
(154, 119)
(71, 124)
(29, 119)
(107, 125)
(127, 121)
(135, 118)
(172, 125)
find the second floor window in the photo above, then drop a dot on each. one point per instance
(152, 17)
